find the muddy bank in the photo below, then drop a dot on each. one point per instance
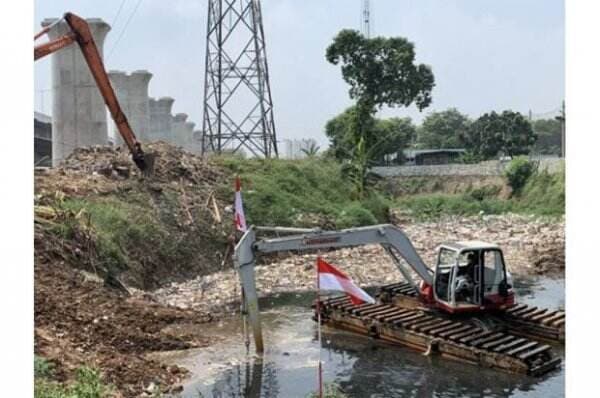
(80, 322)
(531, 246)
(101, 231)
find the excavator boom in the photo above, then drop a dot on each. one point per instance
(80, 32)
(390, 237)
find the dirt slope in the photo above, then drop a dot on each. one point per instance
(102, 230)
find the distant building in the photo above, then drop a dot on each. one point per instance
(293, 149)
(42, 139)
(420, 157)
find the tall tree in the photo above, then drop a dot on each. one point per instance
(549, 136)
(443, 130)
(380, 71)
(509, 133)
(384, 136)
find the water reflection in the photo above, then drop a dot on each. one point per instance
(251, 379)
(377, 371)
(361, 367)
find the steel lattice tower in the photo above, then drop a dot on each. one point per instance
(238, 108)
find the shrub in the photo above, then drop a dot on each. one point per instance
(484, 192)
(355, 215)
(544, 194)
(305, 192)
(518, 172)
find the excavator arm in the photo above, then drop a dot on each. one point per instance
(80, 33)
(391, 238)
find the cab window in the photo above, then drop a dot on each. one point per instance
(493, 269)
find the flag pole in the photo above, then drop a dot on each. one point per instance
(319, 330)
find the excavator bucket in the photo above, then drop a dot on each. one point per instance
(143, 160)
(148, 170)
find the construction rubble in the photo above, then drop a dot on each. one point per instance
(86, 314)
(522, 239)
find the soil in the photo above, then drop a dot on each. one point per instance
(78, 322)
(87, 316)
(182, 207)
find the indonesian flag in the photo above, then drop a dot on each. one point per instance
(240, 219)
(331, 278)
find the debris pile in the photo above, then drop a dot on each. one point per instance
(178, 213)
(99, 169)
(523, 240)
(86, 313)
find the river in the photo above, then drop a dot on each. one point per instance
(358, 366)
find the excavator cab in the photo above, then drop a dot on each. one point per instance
(471, 276)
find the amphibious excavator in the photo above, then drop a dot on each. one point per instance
(80, 33)
(464, 308)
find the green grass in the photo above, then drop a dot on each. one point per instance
(543, 194)
(87, 384)
(42, 368)
(119, 227)
(330, 390)
(301, 193)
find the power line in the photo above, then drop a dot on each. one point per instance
(118, 13)
(124, 29)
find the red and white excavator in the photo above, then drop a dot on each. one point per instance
(468, 277)
(80, 33)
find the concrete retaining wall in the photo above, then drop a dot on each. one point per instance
(488, 168)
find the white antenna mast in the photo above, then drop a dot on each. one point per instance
(366, 18)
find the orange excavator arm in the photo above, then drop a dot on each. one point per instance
(80, 32)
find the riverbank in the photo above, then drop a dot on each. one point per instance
(128, 266)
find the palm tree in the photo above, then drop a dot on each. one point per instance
(311, 149)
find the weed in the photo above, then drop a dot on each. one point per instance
(330, 390)
(281, 192)
(88, 384)
(42, 368)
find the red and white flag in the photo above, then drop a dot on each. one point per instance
(240, 218)
(331, 278)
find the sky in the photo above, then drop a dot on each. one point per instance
(485, 54)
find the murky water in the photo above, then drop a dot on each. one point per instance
(362, 368)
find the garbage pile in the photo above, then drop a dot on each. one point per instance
(530, 245)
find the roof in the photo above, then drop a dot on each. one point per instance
(470, 245)
(415, 152)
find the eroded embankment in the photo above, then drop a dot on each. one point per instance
(101, 231)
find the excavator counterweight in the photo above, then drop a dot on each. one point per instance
(80, 33)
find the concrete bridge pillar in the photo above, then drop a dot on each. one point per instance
(161, 121)
(132, 93)
(139, 107)
(179, 129)
(197, 142)
(78, 110)
(188, 138)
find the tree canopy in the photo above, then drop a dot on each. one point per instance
(443, 130)
(381, 71)
(549, 136)
(384, 136)
(509, 133)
